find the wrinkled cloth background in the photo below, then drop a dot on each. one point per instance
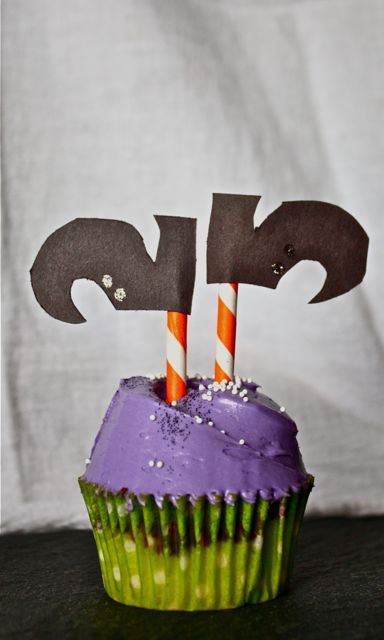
(123, 109)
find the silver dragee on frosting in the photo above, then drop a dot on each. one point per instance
(215, 441)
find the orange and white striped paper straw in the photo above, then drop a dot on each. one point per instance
(226, 331)
(176, 382)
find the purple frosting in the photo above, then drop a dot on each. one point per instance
(213, 442)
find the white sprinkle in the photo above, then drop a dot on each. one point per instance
(282, 409)
(204, 377)
(230, 384)
(173, 403)
(107, 281)
(210, 386)
(241, 441)
(204, 396)
(209, 393)
(234, 391)
(201, 387)
(238, 381)
(197, 376)
(120, 294)
(245, 399)
(198, 419)
(249, 380)
(151, 463)
(210, 423)
(159, 464)
(222, 431)
(87, 461)
(152, 417)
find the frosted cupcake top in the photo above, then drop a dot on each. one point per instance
(216, 440)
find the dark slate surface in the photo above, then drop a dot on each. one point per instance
(51, 588)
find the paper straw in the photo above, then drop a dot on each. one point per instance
(226, 331)
(176, 382)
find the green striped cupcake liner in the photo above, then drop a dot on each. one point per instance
(184, 556)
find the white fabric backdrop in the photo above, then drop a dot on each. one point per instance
(124, 109)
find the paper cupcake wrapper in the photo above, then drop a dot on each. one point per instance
(184, 556)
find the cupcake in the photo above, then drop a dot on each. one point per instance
(196, 490)
(198, 504)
